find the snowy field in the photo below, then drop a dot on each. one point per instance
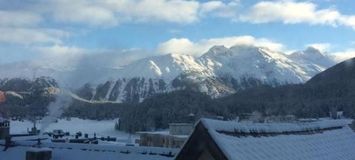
(101, 128)
(73, 151)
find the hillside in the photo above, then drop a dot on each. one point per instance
(342, 73)
(330, 90)
(24, 97)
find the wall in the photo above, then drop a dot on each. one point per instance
(180, 128)
(159, 140)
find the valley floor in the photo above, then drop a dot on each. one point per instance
(102, 128)
(68, 151)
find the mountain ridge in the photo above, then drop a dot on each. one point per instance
(218, 72)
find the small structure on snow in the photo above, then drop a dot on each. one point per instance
(4, 128)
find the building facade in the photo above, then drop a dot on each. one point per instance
(174, 138)
(180, 128)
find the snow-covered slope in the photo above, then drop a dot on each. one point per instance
(165, 67)
(312, 60)
(253, 62)
(146, 77)
(220, 71)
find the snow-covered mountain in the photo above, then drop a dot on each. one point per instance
(312, 60)
(148, 76)
(218, 72)
(241, 62)
(166, 67)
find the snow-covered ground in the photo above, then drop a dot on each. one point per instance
(68, 151)
(72, 151)
(101, 128)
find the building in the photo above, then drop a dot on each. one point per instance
(180, 128)
(4, 128)
(174, 138)
(324, 139)
(161, 139)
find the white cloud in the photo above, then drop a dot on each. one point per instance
(291, 12)
(186, 46)
(112, 12)
(58, 56)
(23, 26)
(343, 55)
(63, 55)
(16, 18)
(60, 50)
(323, 47)
(28, 24)
(81, 11)
(28, 36)
(348, 21)
(176, 11)
(220, 9)
(179, 45)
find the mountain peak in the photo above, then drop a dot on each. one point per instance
(222, 51)
(312, 50)
(310, 53)
(216, 50)
(245, 47)
(313, 58)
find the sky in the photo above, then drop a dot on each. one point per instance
(32, 29)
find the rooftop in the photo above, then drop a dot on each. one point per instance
(162, 133)
(180, 124)
(281, 128)
(324, 139)
(69, 151)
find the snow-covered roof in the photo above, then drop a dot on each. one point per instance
(70, 151)
(235, 127)
(163, 133)
(319, 140)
